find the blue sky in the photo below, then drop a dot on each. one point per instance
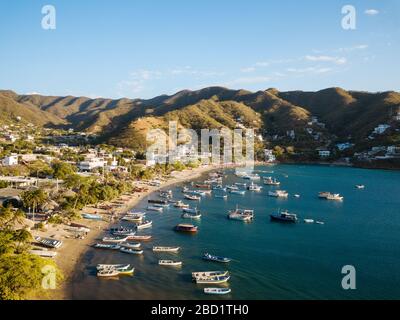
(144, 48)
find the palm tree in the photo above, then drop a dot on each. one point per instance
(34, 199)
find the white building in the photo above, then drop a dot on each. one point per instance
(269, 156)
(91, 163)
(10, 161)
(324, 153)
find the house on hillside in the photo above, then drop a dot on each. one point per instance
(10, 161)
(269, 156)
(344, 146)
(324, 153)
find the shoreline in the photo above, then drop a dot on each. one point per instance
(73, 250)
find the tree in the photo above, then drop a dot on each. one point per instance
(34, 199)
(62, 170)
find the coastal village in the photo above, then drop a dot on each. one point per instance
(54, 178)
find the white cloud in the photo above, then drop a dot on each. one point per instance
(371, 12)
(310, 70)
(248, 70)
(336, 60)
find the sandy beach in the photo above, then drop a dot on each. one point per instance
(73, 249)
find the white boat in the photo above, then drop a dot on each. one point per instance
(190, 210)
(131, 251)
(254, 187)
(320, 222)
(107, 246)
(130, 245)
(107, 273)
(335, 197)
(209, 274)
(144, 225)
(170, 263)
(309, 221)
(297, 196)
(113, 266)
(241, 215)
(153, 208)
(269, 181)
(360, 186)
(166, 249)
(278, 194)
(132, 218)
(191, 216)
(115, 239)
(233, 187)
(181, 205)
(240, 184)
(217, 291)
(212, 280)
(192, 198)
(252, 177)
(136, 214)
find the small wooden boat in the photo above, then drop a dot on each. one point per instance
(124, 233)
(132, 218)
(153, 208)
(212, 280)
(213, 258)
(360, 186)
(113, 266)
(131, 251)
(187, 228)
(297, 196)
(144, 225)
(130, 245)
(141, 238)
(320, 222)
(106, 246)
(166, 249)
(209, 274)
(335, 197)
(88, 216)
(107, 273)
(309, 221)
(191, 216)
(254, 187)
(170, 263)
(217, 291)
(117, 239)
(152, 201)
(271, 182)
(241, 215)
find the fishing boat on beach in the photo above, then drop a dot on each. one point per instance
(108, 273)
(95, 217)
(284, 216)
(213, 258)
(132, 218)
(217, 291)
(141, 238)
(144, 225)
(278, 194)
(170, 263)
(191, 216)
(166, 249)
(106, 246)
(131, 251)
(116, 239)
(186, 228)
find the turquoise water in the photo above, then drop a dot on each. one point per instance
(272, 260)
